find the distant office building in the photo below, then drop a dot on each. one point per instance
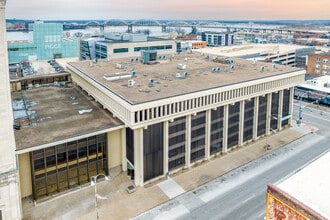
(318, 64)
(119, 45)
(46, 42)
(193, 44)
(218, 39)
(244, 38)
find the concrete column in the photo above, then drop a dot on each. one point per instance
(208, 134)
(10, 198)
(225, 128)
(138, 157)
(291, 106)
(241, 123)
(123, 150)
(268, 113)
(165, 153)
(280, 110)
(188, 140)
(255, 119)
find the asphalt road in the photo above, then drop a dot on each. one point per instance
(241, 194)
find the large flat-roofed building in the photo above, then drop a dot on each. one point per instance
(119, 45)
(277, 53)
(304, 195)
(183, 109)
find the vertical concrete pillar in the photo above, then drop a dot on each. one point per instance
(225, 128)
(241, 123)
(255, 118)
(280, 110)
(10, 198)
(291, 106)
(138, 157)
(268, 113)
(165, 153)
(188, 140)
(123, 150)
(208, 134)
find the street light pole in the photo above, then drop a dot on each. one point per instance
(300, 108)
(93, 183)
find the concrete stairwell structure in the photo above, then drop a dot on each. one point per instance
(10, 205)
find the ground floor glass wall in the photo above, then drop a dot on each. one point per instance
(198, 136)
(177, 143)
(248, 119)
(216, 143)
(233, 124)
(65, 166)
(153, 149)
(262, 114)
(274, 111)
(286, 106)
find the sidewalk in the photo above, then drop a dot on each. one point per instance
(80, 203)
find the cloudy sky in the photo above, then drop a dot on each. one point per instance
(169, 9)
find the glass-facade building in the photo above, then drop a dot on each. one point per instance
(46, 42)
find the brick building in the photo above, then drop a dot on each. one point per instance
(318, 64)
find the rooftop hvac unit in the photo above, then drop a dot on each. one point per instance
(133, 74)
(215, 69)
(182, 76)
(262, 68)
(151, 82)
(130, 83)
(181, 66)
(149, 56)
(274, 66)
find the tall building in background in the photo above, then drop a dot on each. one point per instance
(218, 39)
(46, 42)
(10, 207)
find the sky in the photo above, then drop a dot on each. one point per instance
(169, 9)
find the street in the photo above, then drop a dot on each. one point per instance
(241, 193)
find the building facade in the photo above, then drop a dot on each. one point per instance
(174, 120)
(218, 39)
(318, 64)
(46, 42)
(10, 203)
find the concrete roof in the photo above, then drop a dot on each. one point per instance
(166, 84)
(246, 49)
(57, 116)
(311, 185)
